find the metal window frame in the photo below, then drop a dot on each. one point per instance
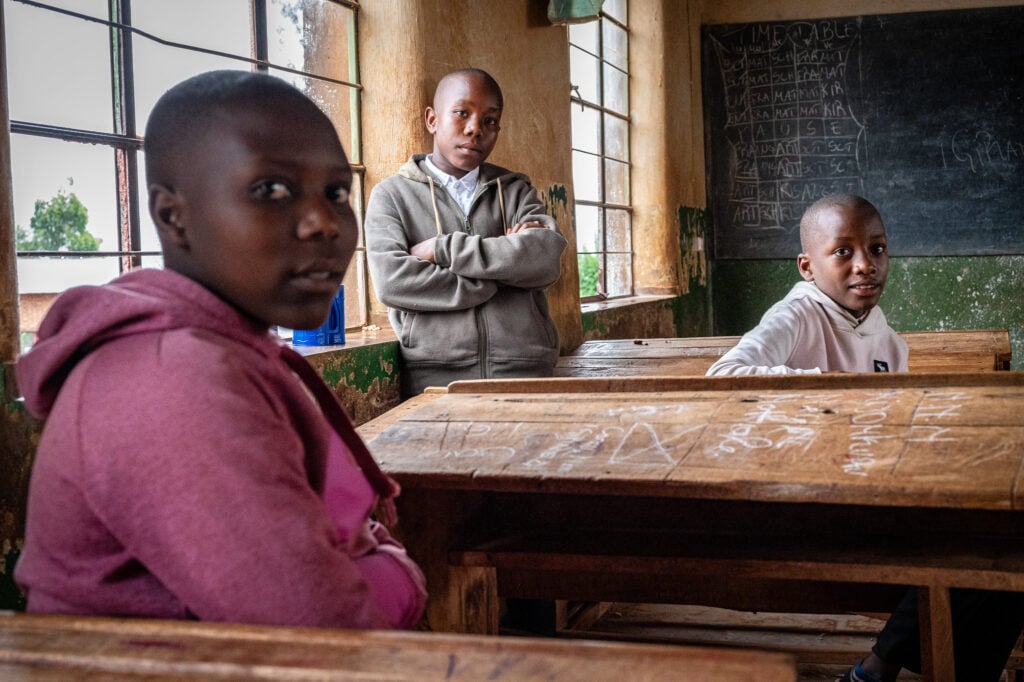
(126, 141)
(602, 205)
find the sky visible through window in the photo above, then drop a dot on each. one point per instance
(59, 74)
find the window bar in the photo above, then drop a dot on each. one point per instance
(259, 33)
(191, 48)
(125, 160)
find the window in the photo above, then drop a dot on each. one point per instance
(83, 76)
(599, 71)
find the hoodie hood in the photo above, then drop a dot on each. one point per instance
(140, 302)
(873, 322)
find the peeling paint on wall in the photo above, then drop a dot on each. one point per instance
(556, 194)
(693, 269)
(365, 378)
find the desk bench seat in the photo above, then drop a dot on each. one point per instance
(44, 648)
(939, 561)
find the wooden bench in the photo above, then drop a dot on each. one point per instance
(977, 350)
(67, 647)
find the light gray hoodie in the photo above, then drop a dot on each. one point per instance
(479, 311)
(807, 332)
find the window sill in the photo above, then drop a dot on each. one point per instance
(625, 302)
(366, 336)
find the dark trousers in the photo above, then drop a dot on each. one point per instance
(986, 625)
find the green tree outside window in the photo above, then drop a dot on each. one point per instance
(58, 225)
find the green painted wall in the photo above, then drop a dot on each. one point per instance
(922, 294)
(692, 310)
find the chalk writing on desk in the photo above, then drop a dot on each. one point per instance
(793, 133)
(741, 438)
(867, 433)
(638, 443)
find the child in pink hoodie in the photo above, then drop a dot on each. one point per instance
(192, 466)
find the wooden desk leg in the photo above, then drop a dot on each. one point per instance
(936, 622)
(471, 603)
(459, 599)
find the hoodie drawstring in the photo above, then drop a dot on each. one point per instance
(501, 207)
(437, 216)
(433, 201)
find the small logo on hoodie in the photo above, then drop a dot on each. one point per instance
(881, 366)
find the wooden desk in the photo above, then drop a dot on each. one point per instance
(976, 350)
(71, 648)
(629, 489)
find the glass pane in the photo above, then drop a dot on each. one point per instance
(616, 182)
(52, 177)
(583, 74)
(588, 229)
(616, 90)
(155, 262)
(616, 9)
(59, 58)
(224, 25)
(313, 36)
(335, 100)
(150, 240)
(590, 274)
(584, 35)
(586, 129)
(619, 275)
(158, 67)
(586, 176)
(54, 275)
(615, 45)
(616, 137)
(617, 231)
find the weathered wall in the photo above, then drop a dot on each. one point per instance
(406, 47)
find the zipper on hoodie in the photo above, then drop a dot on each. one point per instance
(481, 324)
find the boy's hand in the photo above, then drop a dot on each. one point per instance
(424, 250)
(525, 225)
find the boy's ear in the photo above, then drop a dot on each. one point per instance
(803, 264)
(165, 208)
(430, 118)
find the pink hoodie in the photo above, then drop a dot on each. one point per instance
(185, 472)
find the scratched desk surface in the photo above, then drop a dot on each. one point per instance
(899, 440)
(975, 350)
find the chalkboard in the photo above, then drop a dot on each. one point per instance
(921, 113)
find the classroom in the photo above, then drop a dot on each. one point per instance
(629, 123)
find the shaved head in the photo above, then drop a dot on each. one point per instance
(459, 74)
(182, 117)
(811, 217)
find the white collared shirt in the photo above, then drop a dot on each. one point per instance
(461, 189)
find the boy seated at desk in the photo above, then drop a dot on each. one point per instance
(831, 322)
(192, 466)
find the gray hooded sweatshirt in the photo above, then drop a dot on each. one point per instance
(479, 311)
